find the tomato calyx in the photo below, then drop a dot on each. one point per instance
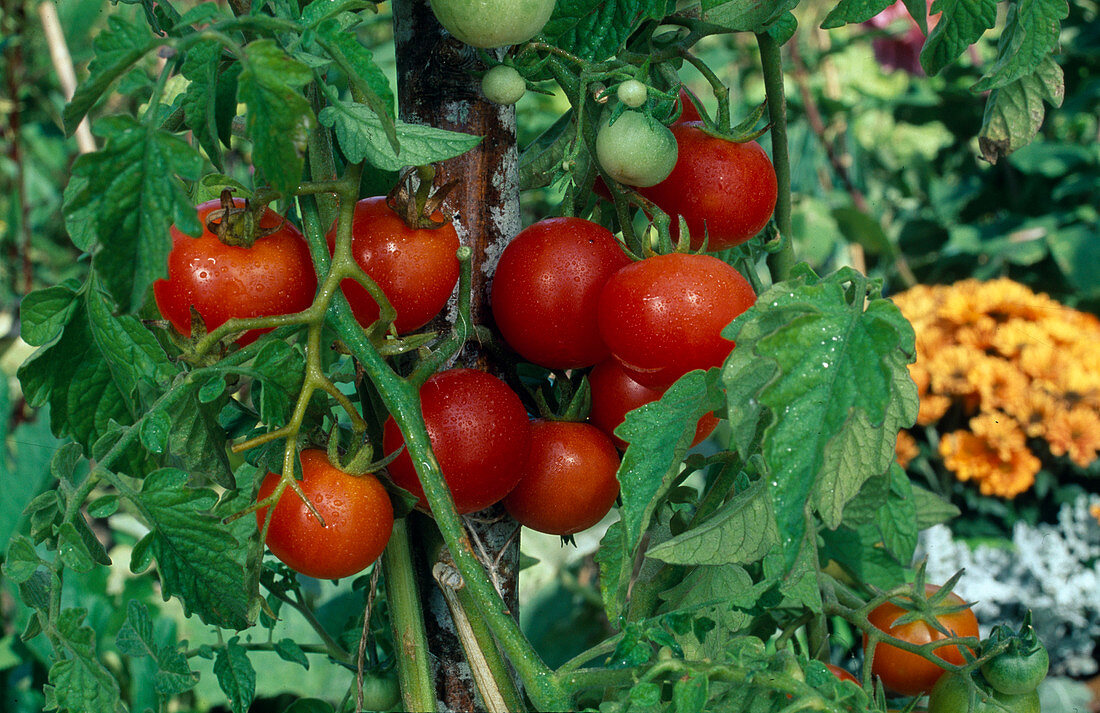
(1017, 661)
(417, 206)
(919, 605)
(239, 227)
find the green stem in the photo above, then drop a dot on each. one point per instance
(771, 60)
(407, 619)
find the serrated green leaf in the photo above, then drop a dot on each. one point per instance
(1031, 33)
(725, 595)
(137, 639)
(279, 117)
(21, 561)
(80, 224)
(741, 532)
(132, 191)
(365, 74)
(116, 49)
(104, 506)
(362, 138)
(64, 462)
(198, 558)
(612, 558)
(931, 508)
(1014, 113)
(35, 592)
(838, 396)
(200, 99)
(212, 390)
(72, 550)
(859, 552)
(206, 13)
(289, 650)
(962, 23)
(542, 158)
(595, 29)
(236, 677)
(95, 371)
(689, 693)
(281, 368)
(746, 15)
(852, 11)
(918, 10)
(783, 29)
(81, 683)
(155, 430)
(897, 518)
(43, 313)
(318, 11)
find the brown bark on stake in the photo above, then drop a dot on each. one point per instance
(436, 88)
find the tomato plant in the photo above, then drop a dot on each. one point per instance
(663, 316)
(906, 672)
(503, 85)
(356, 510)
(632, 93)
(546, 289)
(614, 394)
(273, 275)
(493, 23)
(415, 266)
(953, 693)
(724, 190)
(1023, 663)
(479, 433)
(841, 673)
(568, 483)
(636, 150)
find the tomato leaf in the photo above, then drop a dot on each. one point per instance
(362, 137)
(1031, 33)
(365, 73)
(91, 371)
(853, 11)
(116, 49)
(741, 532)
(1014, 113)
(724, 594)
(595, 29)
(209, 101)
(131, 192)
(837, 392)
(859, 552)
(137, 638)
(279, 118)
(235, 675)
(962, 23)
(281, 368)
(931, 508)
(44, 313)
(746, 15)
(199, 560)
(79, 683)
(289, 650)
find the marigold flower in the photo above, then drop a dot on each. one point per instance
(951, 368)
(1075, 433)
(971, 457)
(906, 448)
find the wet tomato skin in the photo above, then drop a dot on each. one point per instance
(480, 435)
(905, 672)
(356, 509)
(723, 189)
(546, 289)
(274, 276)
(416, 267)
(663, 316)
(569, 482)
(614, 394)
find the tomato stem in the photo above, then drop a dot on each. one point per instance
(771, 60)
(407, 620)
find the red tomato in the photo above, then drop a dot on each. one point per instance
(664, 316)
(908, 673)
(689, 112)
(358, 520)
(274, 276)
(415, 267)
(569, 482)
(842, 674)
(480, 435)
(724, 189)
(546, 289)
(614, 394)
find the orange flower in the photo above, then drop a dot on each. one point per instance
(1075, 432)
(906, 448)
(1001, 384)
(1033, 411)
(1094, 510)
(971, 457)
(950, 370)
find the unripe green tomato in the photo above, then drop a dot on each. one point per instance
(503, 85)
(636, 150)
(951, 695)
(632, 93)
(493, 23)
(1017, 672)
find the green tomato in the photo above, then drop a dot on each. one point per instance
(636, 150)
(632, 93)
(1021, 667)
(493, 23)
(951, 694)
(503, 85)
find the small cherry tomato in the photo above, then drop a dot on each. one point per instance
(723, 189)
(842, 674)
(663, 316)
(1021, 667)
(632, 93)
(569, 482)
(503, 85)
(636, 150)
(416, 268)
(547, 287)
(951, 694)
(905, 672)
(493, 23)
(614, 394)
(479, 433)
(273, 276)
(356, 509)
